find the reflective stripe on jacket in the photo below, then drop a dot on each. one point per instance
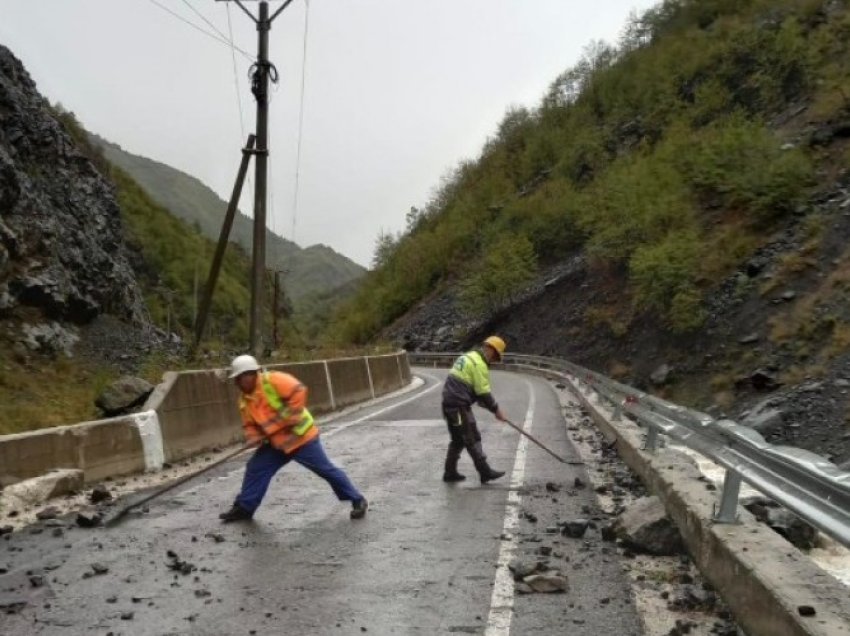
(277, 411)
(469, 382)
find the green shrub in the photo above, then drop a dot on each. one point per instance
(661, 270)
(506, 267)
(743, 165)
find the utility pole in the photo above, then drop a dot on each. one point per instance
(260, 88)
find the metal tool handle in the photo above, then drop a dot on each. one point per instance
(135, 504)
(541, 445)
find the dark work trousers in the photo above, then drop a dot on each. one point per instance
(267, 460)
(464, 434)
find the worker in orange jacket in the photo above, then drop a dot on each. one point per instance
(274, 413)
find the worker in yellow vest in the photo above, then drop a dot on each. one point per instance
(469, 383)
(274, 413)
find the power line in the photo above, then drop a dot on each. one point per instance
(300, 117)
(210, 24)
(235, 75)
(237, 89)
(199, 29)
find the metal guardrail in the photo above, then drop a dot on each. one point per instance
(810, 486)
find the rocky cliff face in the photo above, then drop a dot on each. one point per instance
(62, 252)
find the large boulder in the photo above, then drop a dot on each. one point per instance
(39, 489)
(784, 522)
(644, 527)
(123, 395)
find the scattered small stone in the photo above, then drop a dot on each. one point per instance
(51, 512)
(127, 616)
(36, 580)
(215, 536)
(529, 516)
(544, 550)
(178, 565)
(99, 568)
(202, 593)
(751, 338)
(522, 569)
(112, 599)
(547, 583)
(578, 483)
(551, 486)
(6, 530)
(88, 521)
(99, 494)
(806, 610)
(574, 529)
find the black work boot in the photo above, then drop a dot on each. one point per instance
(359, 508)
(450, 474)
(236, 513)
(480, 459)
(488, 474)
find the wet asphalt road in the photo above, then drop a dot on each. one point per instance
(424, 561)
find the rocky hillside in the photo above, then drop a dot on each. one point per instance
(312, 270)
(62, 254)
(674, 213)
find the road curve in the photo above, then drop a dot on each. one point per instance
(428, 559)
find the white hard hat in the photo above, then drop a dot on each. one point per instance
(243, 364)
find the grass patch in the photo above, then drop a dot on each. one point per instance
(49, 393)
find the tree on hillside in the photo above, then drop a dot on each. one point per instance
(508, 265)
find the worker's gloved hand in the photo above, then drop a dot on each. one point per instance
(500, 416)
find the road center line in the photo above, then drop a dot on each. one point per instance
(502, 600)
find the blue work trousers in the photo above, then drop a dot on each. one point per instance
(267, 460)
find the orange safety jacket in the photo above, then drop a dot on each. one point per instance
(277, 411)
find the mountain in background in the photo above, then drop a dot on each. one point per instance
(313, 270)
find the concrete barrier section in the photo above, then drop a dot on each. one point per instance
(188, 413)
(351, 381)
(386, 373)
(315, 378)
(196, 413)
(102, 448)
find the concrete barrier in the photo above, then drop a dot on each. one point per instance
(763, 578)
(188, 413)
(197, 411)
(100, 449)
(352, 381)
(386, 373)
(314, 376)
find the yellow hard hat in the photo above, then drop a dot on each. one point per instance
(497, 344)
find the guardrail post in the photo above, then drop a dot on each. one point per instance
(650, 442)
(728, 512)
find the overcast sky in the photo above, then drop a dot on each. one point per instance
(397, 91)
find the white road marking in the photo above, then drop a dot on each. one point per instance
(502, 600)
(371, 416)
(408, 423)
